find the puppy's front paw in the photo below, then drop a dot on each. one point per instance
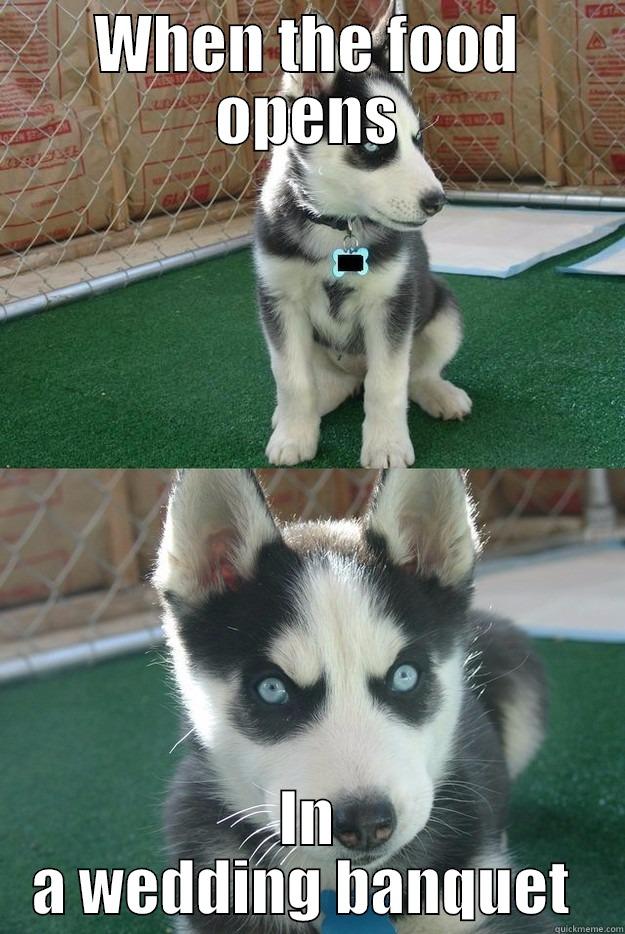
(440, 398)
(386, 447)
(292, 442)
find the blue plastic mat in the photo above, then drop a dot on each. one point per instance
(608, 262)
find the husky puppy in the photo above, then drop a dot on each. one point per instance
(394, 328)
(342, 660)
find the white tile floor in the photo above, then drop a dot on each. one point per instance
(576, 593)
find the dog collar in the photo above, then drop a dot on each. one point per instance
(369, 923)
(352, 258)
(327, 220)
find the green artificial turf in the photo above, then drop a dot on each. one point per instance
(85, 759)
(173, 372)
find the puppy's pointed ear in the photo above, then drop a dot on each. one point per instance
(425, 518)
(310, 84)
(217, 522)
(381, 14)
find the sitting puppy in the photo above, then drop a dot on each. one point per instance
(397, 326)
(342, 660)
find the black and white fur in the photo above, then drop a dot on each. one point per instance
(394, 329)
(332, 608)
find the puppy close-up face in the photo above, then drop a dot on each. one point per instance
(325, 658)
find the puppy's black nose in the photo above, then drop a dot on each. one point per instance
(432, 202)
(364, 824)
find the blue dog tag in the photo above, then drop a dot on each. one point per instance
(369, 923)
(352, 259)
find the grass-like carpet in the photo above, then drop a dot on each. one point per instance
(85, 760)
(173, 371)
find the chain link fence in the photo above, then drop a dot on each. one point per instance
(77, 546)
(107, 178)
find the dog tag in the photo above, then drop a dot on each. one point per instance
(369, 923)
(350, 260)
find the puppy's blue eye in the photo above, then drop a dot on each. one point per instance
(272, 691)
(418, 139)
(404, 678)
(368, 146)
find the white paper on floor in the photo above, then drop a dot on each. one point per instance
(609, 262)
(503, 241)
(568, 593)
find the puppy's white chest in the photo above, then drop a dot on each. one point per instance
(342, 303)
(338, 307)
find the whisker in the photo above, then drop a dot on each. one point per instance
(249, 816)
(431, 123)
(252, 807)
(291, 851)
(268, 850)
(283, 847)
(475, 789)
(273, 823)
(437, 808)
(484, 684)
(265, 790)
(265, 840)
(186, 736)
(437, 820)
